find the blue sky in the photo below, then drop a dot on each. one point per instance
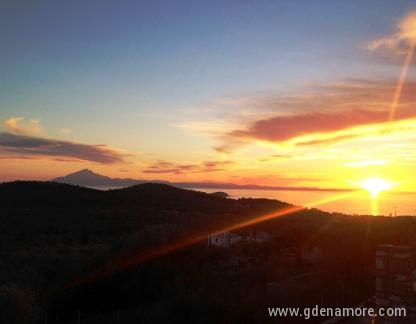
(130, 74)
(175, 53)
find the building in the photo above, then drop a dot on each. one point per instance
(395, 287)
(395, 281)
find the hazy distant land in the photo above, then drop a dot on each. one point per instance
(88, 178)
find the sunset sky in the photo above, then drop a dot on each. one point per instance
(284, 93)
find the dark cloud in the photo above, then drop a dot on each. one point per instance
(162, 166)
(22, 146)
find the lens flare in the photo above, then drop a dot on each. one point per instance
(402, 81)
(145, 256)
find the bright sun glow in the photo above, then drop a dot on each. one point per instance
(375, 185)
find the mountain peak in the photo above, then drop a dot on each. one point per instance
(84, 171)
(89, 178)
(84, 177)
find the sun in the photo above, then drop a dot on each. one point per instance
(375, 185)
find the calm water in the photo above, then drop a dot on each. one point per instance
(359, 203)
(349, 203)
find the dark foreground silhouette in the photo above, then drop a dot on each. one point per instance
(70, 254)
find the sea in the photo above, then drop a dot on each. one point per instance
(387, 203)
(351, 203)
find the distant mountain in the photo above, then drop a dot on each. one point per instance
(88, 178)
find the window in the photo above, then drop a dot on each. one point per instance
(379, 264)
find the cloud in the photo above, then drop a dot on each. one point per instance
(275, 157)
(14, 145)
(19, 125)
(162, 166)
(65, 131)
(283, 128)
(365, 163)
(401, 41)
(323, 114)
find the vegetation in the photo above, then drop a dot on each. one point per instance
(53, 234)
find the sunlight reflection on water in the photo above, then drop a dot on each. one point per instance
(360, 203)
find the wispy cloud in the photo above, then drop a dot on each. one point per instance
(19, 146)
(65, 131)
(399, 42)
(162, 166)
(365, 163)
(276, 157)
(22, 126)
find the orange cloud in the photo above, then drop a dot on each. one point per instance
(176, 168)
(328, 110)
(283, 128)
